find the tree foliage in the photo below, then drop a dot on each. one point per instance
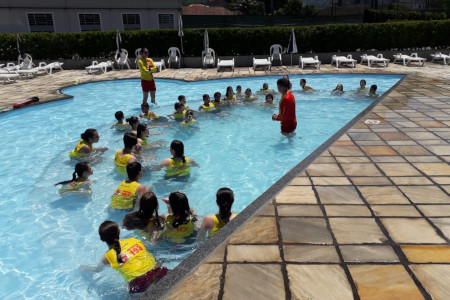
(248, 7)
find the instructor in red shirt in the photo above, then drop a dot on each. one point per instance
(286, 112)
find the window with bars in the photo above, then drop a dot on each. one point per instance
(41, 22)
(131, 21)
(166, 21)
(90, 22)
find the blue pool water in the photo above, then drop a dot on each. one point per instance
(46, 237)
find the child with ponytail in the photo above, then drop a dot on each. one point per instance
(178, 165)
(86, 145)
(129, 257)
(79, 182)
(224, 200)
(179, 223)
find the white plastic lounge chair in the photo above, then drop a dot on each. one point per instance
(103, 66)
(50, 67)
(406, 59)
(275, 53)
(138, 56)
(343, 60)
(160, 65)
(371, 59)
(174, 56)
(122, 59)
(262, 62)
(225, 63)
(302, 61)
(208, 58)
(13, 68)
(440, 56)
(9, 77)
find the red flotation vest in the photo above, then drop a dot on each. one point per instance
(26, 102)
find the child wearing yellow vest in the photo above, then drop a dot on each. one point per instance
(86, 145)
(179, 223)
(79, 182)
(178, 165)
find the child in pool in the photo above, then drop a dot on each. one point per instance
(339, 90)
(217, 98)
(373, 91)
(178, 165)
(362, 87)
(269, 101)
(182, 100)
(128, 193)
(179, 223)
(146, 113)
(133, 122)
(224, 200)
(179, 111)
(248, 95)
(86, 145)
(143, 132)
(129, 257)
(79, 182)
(239, 92)
(265, 89)
(125, 156)
(207, 104)
(146, 219)
(189, 119)
(229, 95)
(120, 125)
(305, 87)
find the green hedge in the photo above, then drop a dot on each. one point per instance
(380, 16)
(233, 41)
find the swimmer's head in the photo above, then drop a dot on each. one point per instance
(229, 91)
(148, 212)
(248, 92)
(182, 99)
(177, 149)
(224, 199)
(283, 85)
(133, 121)
(134, 171)
(217, 96)
(206, 99)
(129, 140)
(179, 204)
(269, 98)
(189, 115)
(362, 83)
(179, 107)
(265, 86)
(339, 87)
(373, 88)
(238, 89)
(142, 131)
(145, 107)
(109, 233)
(119, 116)
(82, 169)
(302, 82)
(90, 135)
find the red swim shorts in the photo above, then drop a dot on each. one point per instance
(288, 127)
(141, 283)
(148, 85)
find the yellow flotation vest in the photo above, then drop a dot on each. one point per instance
(179, 115)
(177, 234)
(72, 186)
(249, 98)
(208, 108)
(121, 161)
(188, 124)
(144, 141)
(121, 127)
(151, 115)
(136, 259)
(178, 168)
(75, 154)
(124, 195)
(218, 223)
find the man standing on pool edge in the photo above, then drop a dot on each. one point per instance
(147, 67)
(286, 112)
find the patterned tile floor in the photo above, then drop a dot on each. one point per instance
(368, 219)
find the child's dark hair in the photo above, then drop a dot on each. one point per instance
(88, 134)
(265, 84)
(363, 80)
(248, 90)
(143, 50)
(303, 80)
(132, 120)
(177, 105)
(133, 170)
(129, 140)
(239, 87)
(217, 94)
(284, 82)
(148, 209)
(180, 207)
(119, 115)
(189, 112)
(141, 129)
(224, 199)
(269, 96)
(181, 97)
(110, 233)
(178, 147)
(373, 87)
(229, 88)
(80, 168)
(205, 96)
(146, 105)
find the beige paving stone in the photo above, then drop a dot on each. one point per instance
(425, 194)
(370, 181)
(344, 160)
(434, 169)
(415, 231)
(347, 211)
(267, 210)
(364, 136)
(380, 282)
(218, 255)
(393, 136)
(411, 150)
(446, 188)
(402, 143)
(439, 150)
(318, 282)
(431, 124)
(383, 195)
(379, 150)
(443, 224)
(398, 169)
(345, 151)
(324, 170)
(203, 284)
(395, 211)
(356, 230)
(253, 253)
(387, 159)
(297, 195)
(324, 160)
(258, 230)
(305, 230)
(427, 253)
(441, 179)
(310, 254)
(410, 180)
(422, 135)
(330, 181)
(300, 181)
(255, 280)
(434, 278)
(299, 210)
(355, 169)
(368, 254)
(338, 195)
(435, 210)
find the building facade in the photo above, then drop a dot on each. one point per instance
(23, 16)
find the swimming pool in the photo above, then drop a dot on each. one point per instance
(46, 237)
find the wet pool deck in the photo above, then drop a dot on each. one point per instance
(368, 219)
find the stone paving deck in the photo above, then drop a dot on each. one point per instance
(368, 219)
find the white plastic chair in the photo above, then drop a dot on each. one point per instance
(343, 60)
(209, 58)
(160, 65)
(225, 63)
(262, 62)
(103, 66)
(174, 56)
(121, 59)
(371, 59)
(138, 56)
(275, 53)
(51, 66)
(406, 59)
(302, 61)
(440, 56)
